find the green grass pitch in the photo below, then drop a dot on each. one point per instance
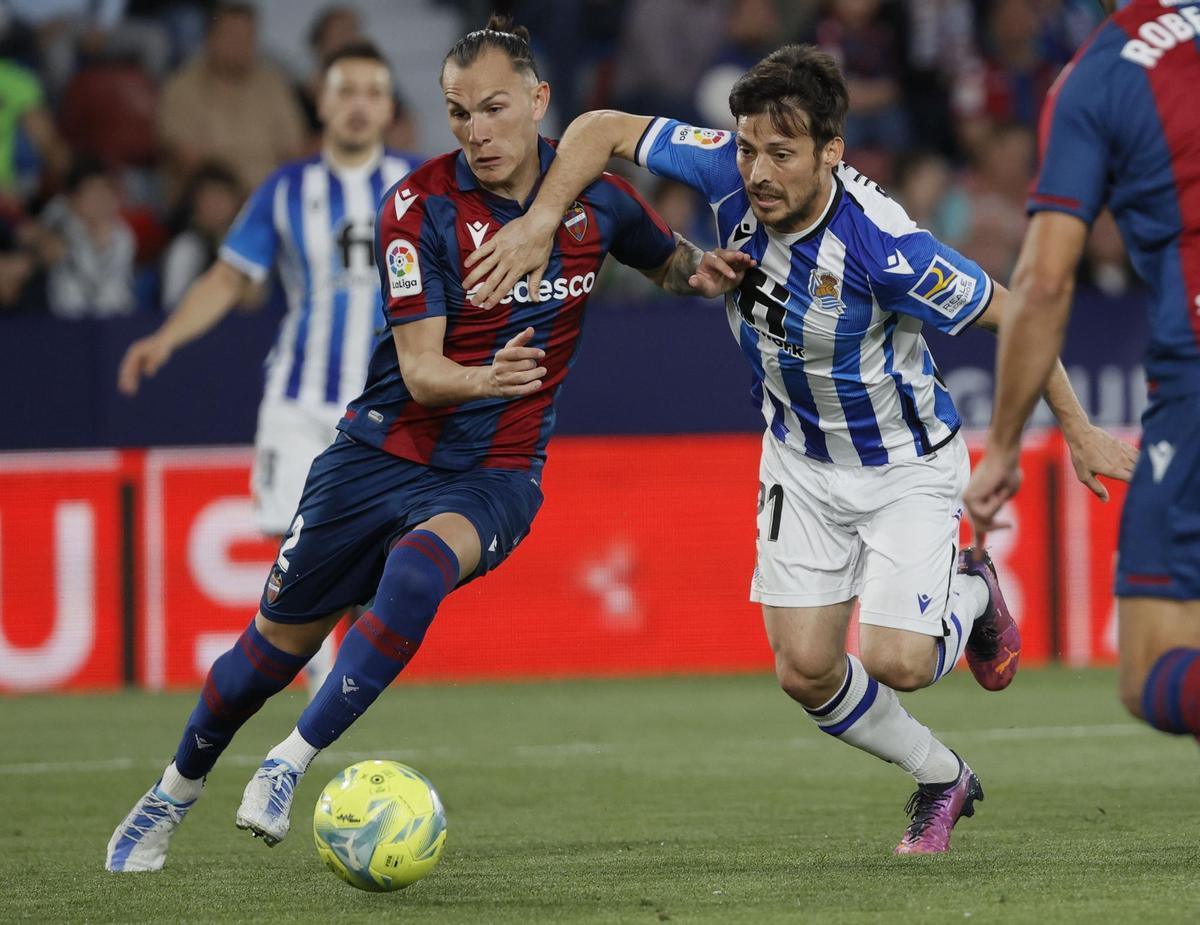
(676, 799)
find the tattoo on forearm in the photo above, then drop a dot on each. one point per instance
(684, 263)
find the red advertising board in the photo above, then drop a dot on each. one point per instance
(60, 571)
(639, 562)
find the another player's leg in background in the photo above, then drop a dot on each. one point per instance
(265, 660)
(1160, 662)
(422, 568)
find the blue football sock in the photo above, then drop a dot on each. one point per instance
(420, 571)
(1171, 696)
(238, 684)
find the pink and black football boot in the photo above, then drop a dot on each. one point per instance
(994, 646)
(935, 808)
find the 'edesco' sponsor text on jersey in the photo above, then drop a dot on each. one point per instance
(428, 225)
(1122, 126)
(317, 221)
(830, 320)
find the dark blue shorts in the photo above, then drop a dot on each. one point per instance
(1160, 526)
(358, 500)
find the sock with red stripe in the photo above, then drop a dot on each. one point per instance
(420, 571)
(238, 684)
(1171, 697)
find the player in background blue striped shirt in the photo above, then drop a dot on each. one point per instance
(1122, 127)
(314, 220)
(863, 469)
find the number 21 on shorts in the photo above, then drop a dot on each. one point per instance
(774, 497)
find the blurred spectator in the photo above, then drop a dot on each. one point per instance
(867, 48)
(25, 123)
(210, 204)
(89, 248)
(1011, 82)
(665, 47)
(685, 211)
(228, 104)
(940, 50)
(997, 189)
(22, 279)
(752, 31)
(68, 30)
(925, 185)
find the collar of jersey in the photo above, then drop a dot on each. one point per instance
(362, 169)
(807, 234)
(466, 179)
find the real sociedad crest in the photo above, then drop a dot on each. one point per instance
(575, 220)
(826, 291)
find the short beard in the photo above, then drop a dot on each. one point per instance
(792, 222)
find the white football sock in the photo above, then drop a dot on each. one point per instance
(969, 598)
(295, 750)
(177, 788)
(868, 715)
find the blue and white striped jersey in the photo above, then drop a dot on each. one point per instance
(831, 318)
(317, 222)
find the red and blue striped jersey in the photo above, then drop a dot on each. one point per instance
(1122, 127)
(428, 224)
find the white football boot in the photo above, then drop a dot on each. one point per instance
(266, 808)
(140, 842)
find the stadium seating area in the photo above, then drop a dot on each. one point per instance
(96, 159)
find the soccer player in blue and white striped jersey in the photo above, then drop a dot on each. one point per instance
(863, 470)
(314, 221)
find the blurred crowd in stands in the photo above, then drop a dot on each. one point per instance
(132, 130)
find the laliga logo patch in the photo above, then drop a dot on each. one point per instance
(575, 220)
(700, 137)
(826, 291)
(404, 272)
(943, 288)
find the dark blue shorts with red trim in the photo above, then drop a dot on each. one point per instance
(358, 500)
(1160, 526)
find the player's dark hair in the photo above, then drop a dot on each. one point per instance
(359, 50)
(501, 34)
(83, 170)
(800, 88)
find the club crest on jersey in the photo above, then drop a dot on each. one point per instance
(274, 584)
(404, 271)
(943, 288)
(575, 220)
(826, 291)
(700, 137)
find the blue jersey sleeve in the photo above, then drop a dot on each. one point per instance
(411, 257)
(1074, 141)
(703, 158)
(642, 239)
(253, 242)
(916, 274)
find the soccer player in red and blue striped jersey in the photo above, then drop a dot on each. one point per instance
(1122, 127)
(435, 475)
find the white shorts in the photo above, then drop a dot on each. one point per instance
(288, 438)
(885, 534)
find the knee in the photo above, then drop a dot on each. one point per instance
(404, 583)
(809, 680)
(899, 672)
(293, 638)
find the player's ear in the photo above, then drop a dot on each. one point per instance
(834, 150)
(541, 100)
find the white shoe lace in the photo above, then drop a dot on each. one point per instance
(283, 785)
(154, 806)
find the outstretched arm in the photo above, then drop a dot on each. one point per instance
(206, 302)
(691, 271)
(1031, 337)
(523, 246)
